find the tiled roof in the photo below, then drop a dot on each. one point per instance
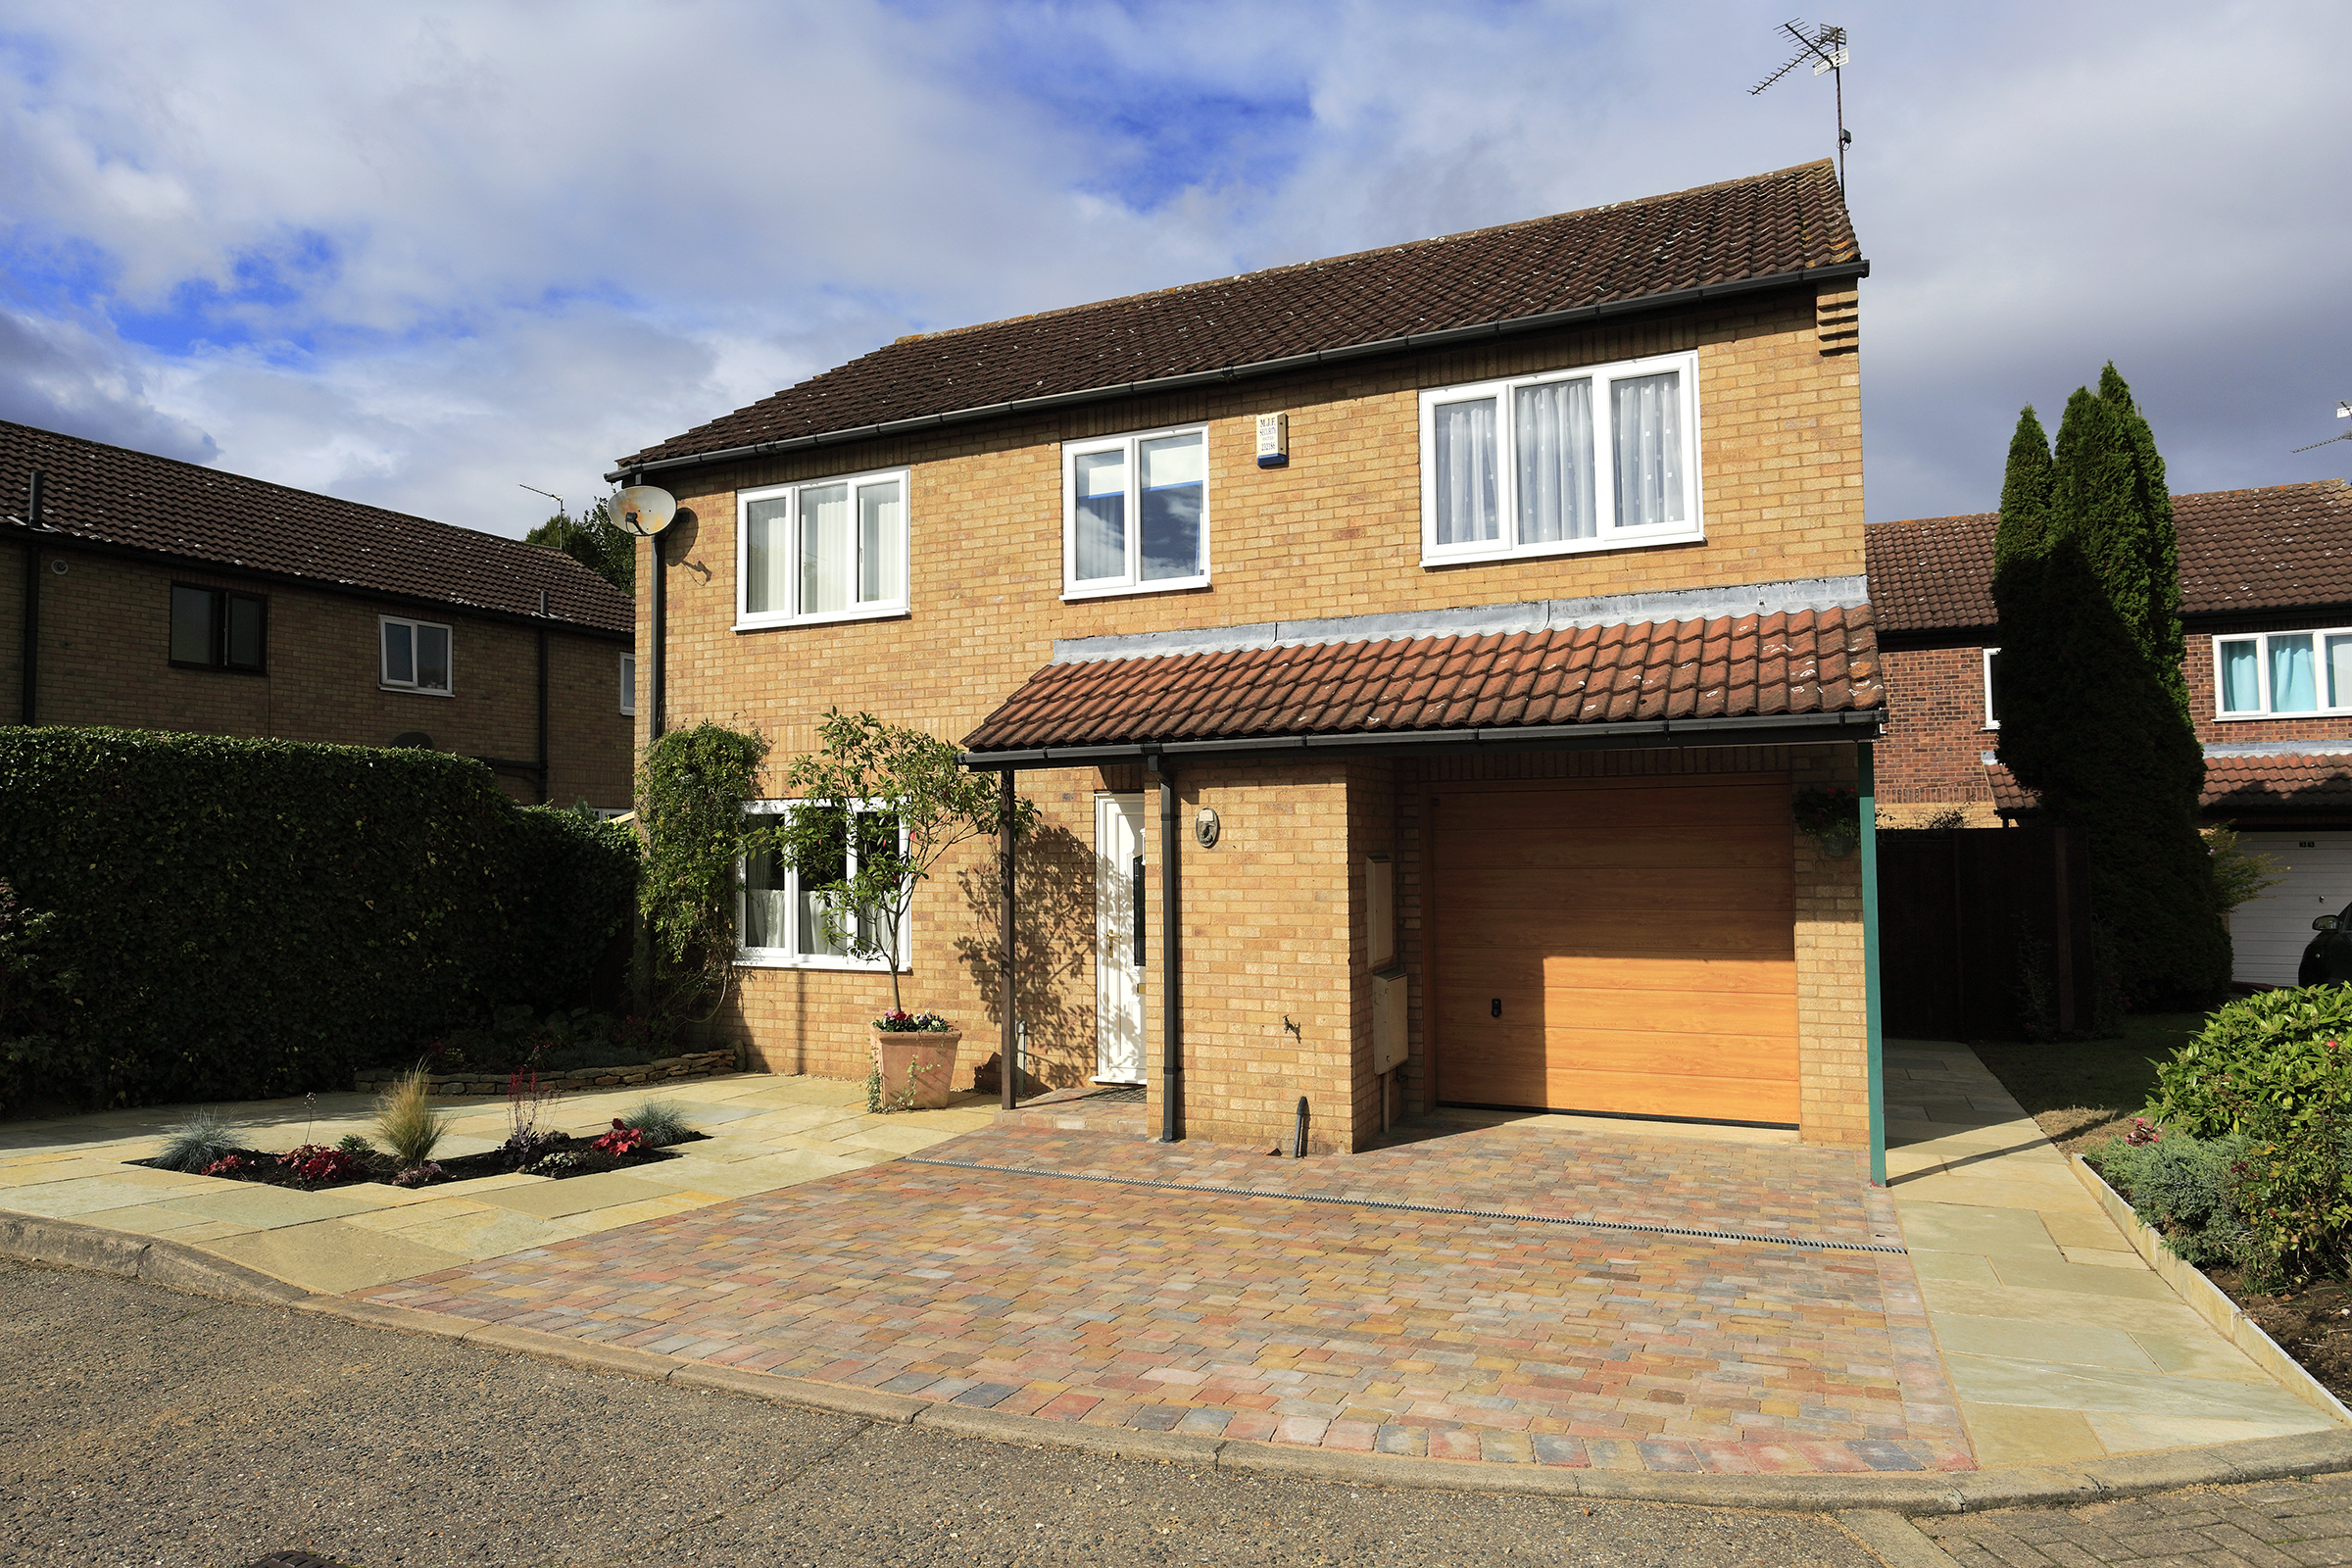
(112, 495)
(2275, 548)
(1766, 225)
(2232, 784)
(1805, 661)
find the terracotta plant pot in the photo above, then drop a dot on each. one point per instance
(918, 1067)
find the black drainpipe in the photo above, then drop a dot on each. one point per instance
(1171, 946)
(544, 794)
(658, 720)
(33, 600)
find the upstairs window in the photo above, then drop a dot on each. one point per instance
(1599, 458)
(416, 656)
(831, 549)
(212, 628)
(1135, 513)
(2283, 674)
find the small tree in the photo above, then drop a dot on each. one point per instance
(595, 541)
(879, 806)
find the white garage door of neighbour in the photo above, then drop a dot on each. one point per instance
(2270, 933)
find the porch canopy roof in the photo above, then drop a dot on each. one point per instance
(1752, 679)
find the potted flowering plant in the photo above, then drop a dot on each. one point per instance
(879, 806)
(914, 1060)
(1831, 816)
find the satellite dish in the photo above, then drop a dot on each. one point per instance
(645, 510)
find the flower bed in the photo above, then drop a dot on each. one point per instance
(468, 1081)
(312, 1168)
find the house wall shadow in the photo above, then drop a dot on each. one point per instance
(1054, 937)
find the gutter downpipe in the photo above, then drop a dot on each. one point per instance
(544, 794)
(31, 665)
(658, 716)
(1171, 946)
(1009, 1042)
(1873, 1023)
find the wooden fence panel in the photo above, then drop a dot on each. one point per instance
(1965, 914)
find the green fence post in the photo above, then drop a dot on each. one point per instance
(1871, 1011)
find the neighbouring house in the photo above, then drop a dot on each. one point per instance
(161, 594)
(1414, 655)
(2266, 603)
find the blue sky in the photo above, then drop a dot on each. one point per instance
(420, 255)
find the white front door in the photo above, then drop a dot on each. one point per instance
(2270, 933)
(1120, 945)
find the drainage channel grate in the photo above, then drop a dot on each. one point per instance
(1803, 1243)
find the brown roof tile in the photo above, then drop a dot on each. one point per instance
(2232, 784)
(114, 496)
(1807, 662)
(1762, 226)
(2275, 548)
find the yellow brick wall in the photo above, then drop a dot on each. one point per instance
(1335, 533)
(105, 659)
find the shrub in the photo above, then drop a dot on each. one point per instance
(407, 1122)
(662, 1121)
(2278, 1048)
(197, 1142)
(312, 1163)
(300, 908)
(2184, 1188)
(355, 1147)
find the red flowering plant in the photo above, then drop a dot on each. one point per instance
(623, 1139)
(899, 1021)
(315, 1163)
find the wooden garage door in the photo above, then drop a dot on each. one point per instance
(1622, 947)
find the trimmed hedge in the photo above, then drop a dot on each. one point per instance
(246, 919)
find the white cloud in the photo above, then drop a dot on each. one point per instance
(453, 248)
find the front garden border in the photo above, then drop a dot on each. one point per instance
(670, 1069)
(2208, 1299)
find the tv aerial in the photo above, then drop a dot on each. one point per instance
(645, 510)
(2343, 411)
(1824, 49)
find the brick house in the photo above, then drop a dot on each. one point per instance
(2265, 600)
(167, 596)
(1420, 648)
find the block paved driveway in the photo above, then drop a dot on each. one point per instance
(990, 1270)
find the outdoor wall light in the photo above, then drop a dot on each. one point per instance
(1205, 828)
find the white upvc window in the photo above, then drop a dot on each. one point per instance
(1135, 513)
(1993, 688)
(779, 925)
(2283, 674)
(825, 551)
(629, 684)
(1599, 458)
(414, 656)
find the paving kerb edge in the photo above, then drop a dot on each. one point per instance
(72, 1244)
(1895, 1540)
(2208, 1299)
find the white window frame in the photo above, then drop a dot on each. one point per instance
(1604, 496)
(792, 957)
(1132, 583)
(1991, 717)
(383, 671)
(629, 684)
(746, 619)
(2319, 636)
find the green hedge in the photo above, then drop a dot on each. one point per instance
(236, 919)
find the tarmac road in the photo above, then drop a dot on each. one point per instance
(142, 1426)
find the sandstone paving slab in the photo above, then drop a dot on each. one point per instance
(2038, 1273)
(146, 1220)
(2028, 1309)
(72, 1198)
(2103, 1257)
(486, 1233)
(1985, 1192)
(2210, 1356)
(268, 1207)
(550, 1199)
(2001, 1380)
(1971, 1267)
(2057, 1343)
(333, 1255)
(743, 1178)
(1251, 1317)
(1959, 1228)
(612, 1218)
(2132, 1432)
(2010, 1434)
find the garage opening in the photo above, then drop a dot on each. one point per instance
(1619, 946)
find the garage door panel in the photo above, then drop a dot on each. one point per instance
(1536, 972)
(1639, 940)
(1603, 848)
(1718, 890)
(1536, 811)
(1464, 1013)
(2268, 935)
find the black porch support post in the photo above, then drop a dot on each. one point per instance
(1008, 1049)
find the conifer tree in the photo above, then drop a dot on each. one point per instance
(2086, 720)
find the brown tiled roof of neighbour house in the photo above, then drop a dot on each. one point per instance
(1784, 663)
(113, 496)
(2281, 546)
(2271, 782)
(1742, 232)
